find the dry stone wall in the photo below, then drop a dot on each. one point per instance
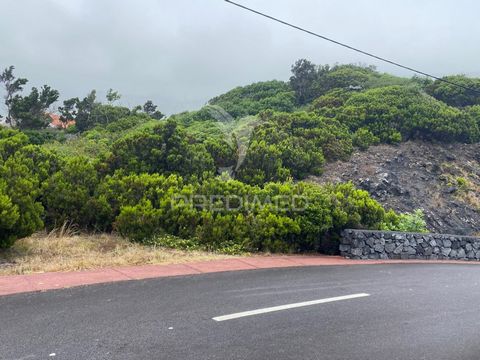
(371, 244)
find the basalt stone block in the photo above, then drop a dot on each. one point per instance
(370, 242)
(356, 251)
(344, 248)
(446, 251)
(389, 247)
(461, 253)
(447, 243)
(379, 248)
(358, 243)
(398, 249)
(410, 250)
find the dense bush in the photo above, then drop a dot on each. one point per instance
(128, 122)
(454, 95)
(295, 144)
(69, 195)
(363, 138)
(10, 142)
(309, 81)
(397, 113)
(254, 98)
(39, 137)
(21, 212)
(162, 149)
(413, 222)
(223, 214)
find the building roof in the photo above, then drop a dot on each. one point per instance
(59, 124)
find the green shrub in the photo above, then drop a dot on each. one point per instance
(39, 137)
(128, 122)
(295, 145)
(138, 223)
(70, 195)
(163, 149)
(363, 139)
(396, 113)
(11, 141)
(228, 215)
(19, 193)
(455, 95)
(254, 98)
(175, 242)
(9, 216)
(412, 222)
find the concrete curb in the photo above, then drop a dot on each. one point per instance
(14, 284)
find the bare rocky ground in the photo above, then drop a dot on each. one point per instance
(443, 180)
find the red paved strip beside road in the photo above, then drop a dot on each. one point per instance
(14, 284)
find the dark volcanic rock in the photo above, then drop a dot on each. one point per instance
(417, 175)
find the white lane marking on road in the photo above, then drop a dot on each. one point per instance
(287, 306)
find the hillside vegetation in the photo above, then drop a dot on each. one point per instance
(229, 176)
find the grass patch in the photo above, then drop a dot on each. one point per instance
(68, 250)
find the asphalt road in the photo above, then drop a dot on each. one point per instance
(414, 311)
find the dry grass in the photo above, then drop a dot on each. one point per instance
(68, 250)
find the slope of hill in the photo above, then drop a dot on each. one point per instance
(443, 180)
(131, 171)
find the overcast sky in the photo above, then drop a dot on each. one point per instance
(180, 53)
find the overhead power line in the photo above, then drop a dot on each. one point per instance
(351, 47)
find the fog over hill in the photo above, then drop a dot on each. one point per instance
(181, 53)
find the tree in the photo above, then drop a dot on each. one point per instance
(12, 86)
(89, 113)
(150, 109)
(303, 80)
(68, 111)
(85, 107)
(113, 96)
(30, 112)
